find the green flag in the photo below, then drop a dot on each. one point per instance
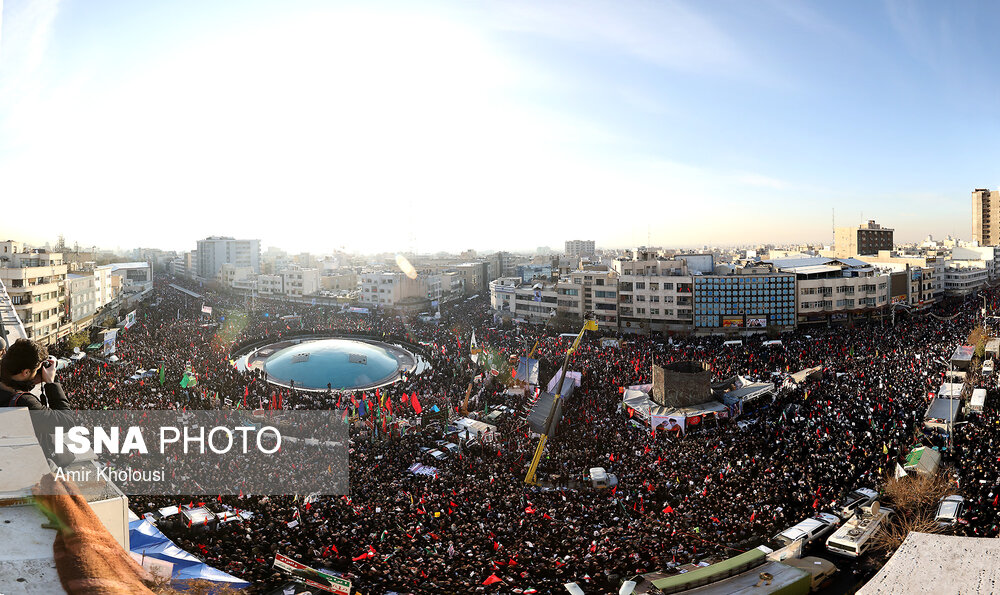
(163, 375)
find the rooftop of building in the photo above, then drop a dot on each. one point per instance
(928, 563)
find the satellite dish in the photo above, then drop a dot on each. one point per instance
(875, 508)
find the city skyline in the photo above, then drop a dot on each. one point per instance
(386, 129)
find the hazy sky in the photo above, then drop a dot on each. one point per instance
(442, 126)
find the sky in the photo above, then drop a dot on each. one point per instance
(441, 126)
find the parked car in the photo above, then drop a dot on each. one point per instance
(949, 510)
(855, 500)
(810, 529)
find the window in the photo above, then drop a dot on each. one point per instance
(640, 285)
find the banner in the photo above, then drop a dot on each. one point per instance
(130, 319)
(610, 343)
(670, 422)
(757, 322)
(732, 321)
(206, 309)
(474, 349)
(527, 370)
(312, 577)
(573, 378)
(109, 342)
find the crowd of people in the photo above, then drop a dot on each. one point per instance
(474, 525)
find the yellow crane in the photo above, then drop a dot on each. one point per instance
(589, 325)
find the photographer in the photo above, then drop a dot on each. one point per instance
(25, 365)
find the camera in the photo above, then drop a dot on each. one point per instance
(47, 364)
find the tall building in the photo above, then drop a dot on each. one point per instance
(865, 240)
(579, 247)
(986, 212)
(81, 299)
(35, 281)
(215, 251)
(655, 290)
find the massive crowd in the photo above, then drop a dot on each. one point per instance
(716, 491)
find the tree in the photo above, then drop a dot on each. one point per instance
(80, 339)
(977, 338)
(914, 499)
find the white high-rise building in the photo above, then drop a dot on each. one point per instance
(215, 251)
(579, 248)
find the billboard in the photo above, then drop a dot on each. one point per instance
(312, 577)
(757, 322)
(109, 342)
(732, 321)
(206, 309)
(130, 319)
(527, 370)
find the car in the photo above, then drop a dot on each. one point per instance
(855, 500)
(810, 529)
(745, 423)
(451, 447)
(949, 510)
(601, 479)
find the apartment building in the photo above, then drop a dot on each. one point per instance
(35, 282)
(593, 289)
(578, 248)
(986, 216)
(387, 289)
(925, 271)
(535, 303)
(838, 289)
(866, 239)
(215, 251)
(655, 291)
(962, 278)
(81, 300)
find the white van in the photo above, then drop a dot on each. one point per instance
(855, 537)
(789, 543)
(810, 529)
(601, 479)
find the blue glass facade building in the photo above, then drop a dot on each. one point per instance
(745, 301)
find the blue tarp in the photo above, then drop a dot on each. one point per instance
(147, 540)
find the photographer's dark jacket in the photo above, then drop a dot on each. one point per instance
(57, 413)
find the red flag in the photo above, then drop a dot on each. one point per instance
(416, 404)
(493, 578)
(667, 510)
